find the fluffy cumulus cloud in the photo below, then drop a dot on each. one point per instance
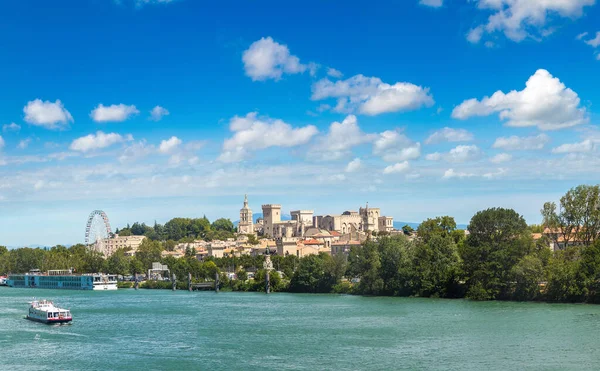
(545, 103)
(451, 173)
(340, 138)
(253, 133)
(449, 135)
(11, 127)
(371, 96)
(97, 141)
(586, 146)
(169, 145)
(515, 143)
(399, 167)
(432, 3)
(113, 113)
(520, 19)
(267, 59)
(501, 158)
(50, 115)
(393, 146)
(334, 73)
(354, 165)
(457, 154)
(157, 113)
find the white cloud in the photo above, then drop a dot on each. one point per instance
(354, 165)
(11, 127)
(371, 96)
(47, 114)
(545, 102)
(457, 155)
(2, 143)
(432, 3)
(96, 141)
(583, 147)
(492, 175)
(436, 156)
(449, 135)
(595, 42)
(397, 168)
(169, 145)
(158, 113)
(500, 158)
(136, 151)
(113, 113)
(393, 146)
(515, 143)
(474, 36)
(344, 135)
(581, 35)
(24, 143)
(450, 173)
(334, 73)
(253, 133)
(267, 59)
(463, 154)
(520, 19)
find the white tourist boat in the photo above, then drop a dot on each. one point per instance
(63, 279)
(44, 311)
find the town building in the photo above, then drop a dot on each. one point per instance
(365, 219)
(130, 243)
(246, 225)
(274, 227)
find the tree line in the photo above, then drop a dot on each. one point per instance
(182, 230)
(498, 259)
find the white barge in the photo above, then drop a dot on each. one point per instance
(63, 279)
(44, 311)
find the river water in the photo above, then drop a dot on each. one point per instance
(164, 330)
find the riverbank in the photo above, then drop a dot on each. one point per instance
(159, 329)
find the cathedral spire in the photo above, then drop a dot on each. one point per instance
(245, 200)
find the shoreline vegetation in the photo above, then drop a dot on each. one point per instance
(498, 259)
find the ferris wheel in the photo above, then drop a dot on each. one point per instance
(97, 228)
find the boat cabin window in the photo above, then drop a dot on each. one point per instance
(49, 315)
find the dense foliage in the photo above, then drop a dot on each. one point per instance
(498, 259)
(182, 229)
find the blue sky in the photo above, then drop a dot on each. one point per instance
(150, 110)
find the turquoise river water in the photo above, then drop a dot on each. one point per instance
(164, 330)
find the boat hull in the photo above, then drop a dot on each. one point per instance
(49, 321)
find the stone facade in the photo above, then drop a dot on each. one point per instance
(110, 245)
(366, 219)
(246, 225)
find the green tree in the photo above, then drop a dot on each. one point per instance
(528, 273)
(312, 275)
(435, 267)
(149, 252)
(408, 230)
(118, 263)
(441, 226)
(223, 224)
(498, 239)
(578, 219)
(364, 264)
(241, 275)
